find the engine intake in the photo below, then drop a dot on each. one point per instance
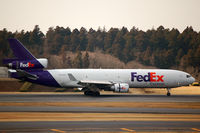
(26, 64)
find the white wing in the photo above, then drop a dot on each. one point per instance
(95, 82)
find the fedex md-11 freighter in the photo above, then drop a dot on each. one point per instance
(26, 67)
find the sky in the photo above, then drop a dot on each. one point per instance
(143, 14)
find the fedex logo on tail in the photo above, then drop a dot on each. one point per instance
(150, 77)
(28, 64)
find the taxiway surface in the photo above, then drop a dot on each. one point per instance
(78, 99)
(99, 126)
(37, 97)
(186, 124)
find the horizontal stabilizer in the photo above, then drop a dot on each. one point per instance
(24, 74)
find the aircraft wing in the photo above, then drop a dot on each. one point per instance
(95, 82)
(86, 82)
(99, 84)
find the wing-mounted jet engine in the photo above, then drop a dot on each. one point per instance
(120, 87)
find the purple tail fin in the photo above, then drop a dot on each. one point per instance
(19, 50)
(24, 59)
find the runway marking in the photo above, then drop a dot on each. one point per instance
(195, 129)
(60, 131)
(126, 129)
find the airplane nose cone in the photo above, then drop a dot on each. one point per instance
(192, 80)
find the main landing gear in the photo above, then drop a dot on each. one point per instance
(92, 93)
(91, 90)
(168, 92)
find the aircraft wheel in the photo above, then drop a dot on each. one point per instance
(86, 93)
(168, 94)
(97, 93)
(92, 93)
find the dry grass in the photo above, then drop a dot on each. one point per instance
(8, 79)
(185, 90)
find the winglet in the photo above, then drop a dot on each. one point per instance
(71, 77)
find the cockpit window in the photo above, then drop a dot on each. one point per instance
(188, 76)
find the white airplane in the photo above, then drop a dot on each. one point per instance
(28, 68)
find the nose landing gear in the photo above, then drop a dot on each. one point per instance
(168, 92)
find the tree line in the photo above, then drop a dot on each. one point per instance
(161, 47)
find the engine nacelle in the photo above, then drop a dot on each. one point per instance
(26, 64)
(120, 87)
(44, 62)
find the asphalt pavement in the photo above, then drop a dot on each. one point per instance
(98, 126)
(37, 97)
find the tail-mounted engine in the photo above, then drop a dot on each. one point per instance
(26, 64)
